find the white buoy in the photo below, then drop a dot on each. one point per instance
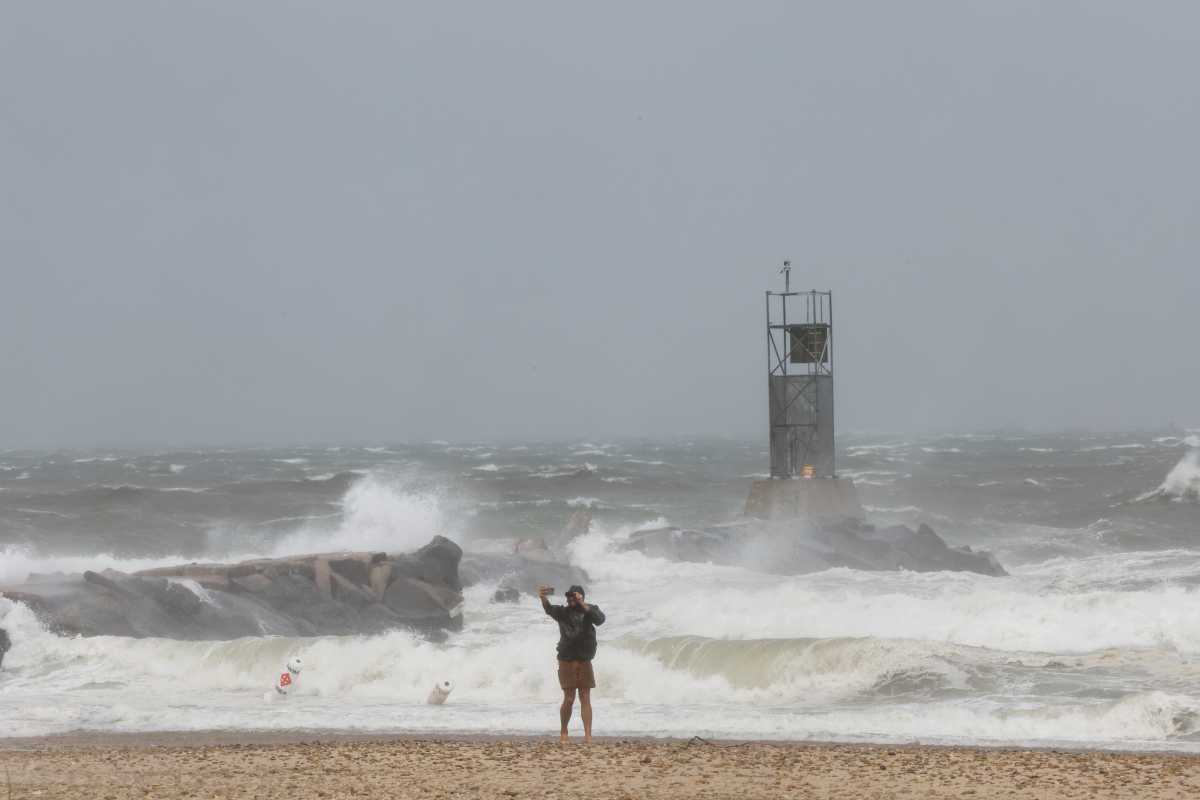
(439, 693)
(286, 681)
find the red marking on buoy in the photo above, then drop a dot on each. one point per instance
(285, 680)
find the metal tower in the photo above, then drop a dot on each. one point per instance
(800, 381)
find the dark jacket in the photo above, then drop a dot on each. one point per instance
(576, 631)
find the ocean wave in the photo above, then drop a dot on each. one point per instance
(519, 503)
(1143, 719)
(105, 498)
(18, 562)
(893, 509)
(1182, 483)
(809, 671)
(583, 470)
(788, 689)
(873, 449)
(871, 477)
(584, 502)
(375, 514)
(1030, 611)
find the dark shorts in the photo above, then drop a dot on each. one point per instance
(576, 675)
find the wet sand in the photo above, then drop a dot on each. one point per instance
(300, 766)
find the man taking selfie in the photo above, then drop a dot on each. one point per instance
(577, 622)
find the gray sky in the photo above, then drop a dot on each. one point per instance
(270, 222)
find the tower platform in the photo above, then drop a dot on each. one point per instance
(787, 498)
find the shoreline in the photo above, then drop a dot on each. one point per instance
(312, 765)
(225, 737)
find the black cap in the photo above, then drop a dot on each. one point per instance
(577, 588)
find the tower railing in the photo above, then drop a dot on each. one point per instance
(800, 381)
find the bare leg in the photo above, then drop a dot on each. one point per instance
(585, 710)
(564, 712)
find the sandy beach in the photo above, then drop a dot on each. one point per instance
(216, 765)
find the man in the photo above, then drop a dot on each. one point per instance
(577, 622)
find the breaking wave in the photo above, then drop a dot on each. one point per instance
(1034, 610)
(375, 514)
(885, 689)
(1182, 483)
(1095, 647)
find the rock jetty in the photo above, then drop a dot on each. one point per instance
(306, 595)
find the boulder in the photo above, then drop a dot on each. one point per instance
(436, 563)
(507, 594)
(425, 605)
(5, 645)
(521, 573)
(530, 562)
(309, 595)
(356, 567)
(346, 591)
(254, 583)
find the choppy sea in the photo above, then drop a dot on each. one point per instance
(1093, 640)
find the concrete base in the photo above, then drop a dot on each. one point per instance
(786, 498)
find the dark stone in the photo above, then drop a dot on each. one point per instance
(679, 545)
(507, 594)
(5, 645)
(296, 596)
(436, 563)
(254, 583)
(377, 618)
(355, 570)
(521, 573)
(353, 594)
(795, 547)
(424, 605)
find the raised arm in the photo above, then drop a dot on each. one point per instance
(595, 615)
(551, 610)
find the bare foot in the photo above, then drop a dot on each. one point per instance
(587, 739)
(562, 738)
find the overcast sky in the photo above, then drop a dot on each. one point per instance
(236, 222)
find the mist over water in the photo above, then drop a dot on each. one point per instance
(1093, 639)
